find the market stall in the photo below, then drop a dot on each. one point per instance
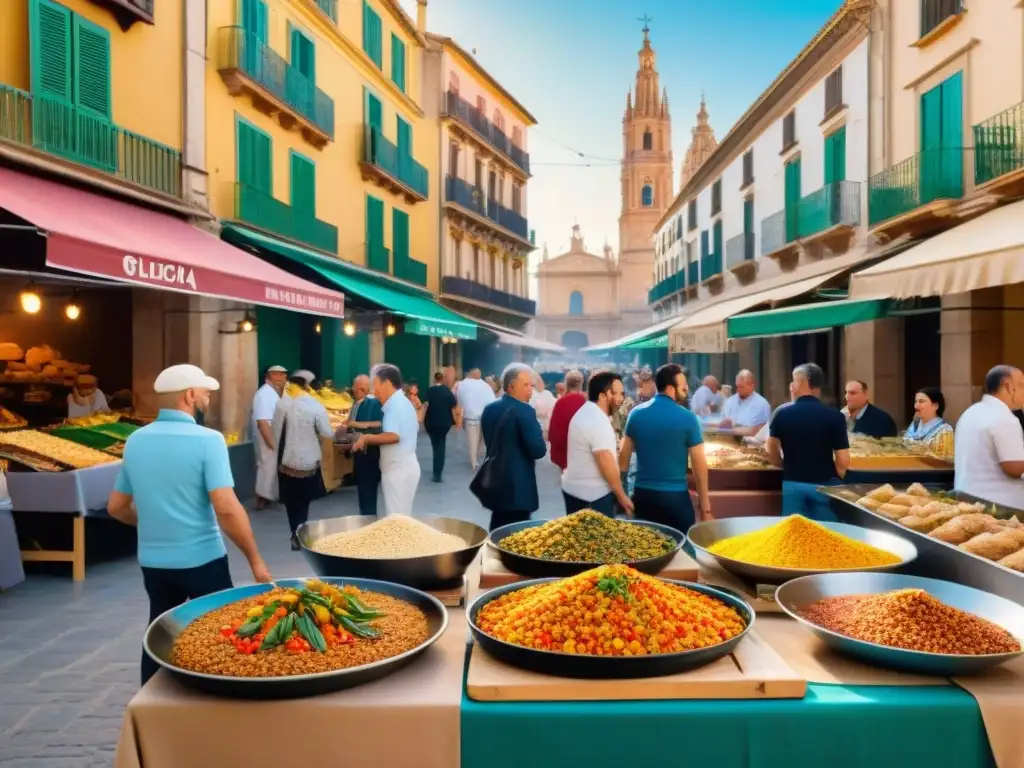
(741, 479)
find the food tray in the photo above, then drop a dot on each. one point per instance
(431, 572)
(703, 535)
(493, 572)
(605, 667)
(936, 559)
(535, 567)
(31, 460)
(800, 593)
(159, 640)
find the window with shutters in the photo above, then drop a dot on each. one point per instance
(835, 156)
(376, 253)
(834, 92)
(399, 242)
(253, 149)
(788, 131)
(373, 36)
(453, 82)
(499, 120)
(517, 197)
(303, 53)
(398, 62)
(691, 216)
(453, 159)
(403, 132)
(748, 167)
(716, 198)
(517, 136)
(935, 12)
(303, 185)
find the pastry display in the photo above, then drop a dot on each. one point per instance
(54, 448)
(11, 420)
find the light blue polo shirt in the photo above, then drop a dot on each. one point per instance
(170, 467)
(662, 432)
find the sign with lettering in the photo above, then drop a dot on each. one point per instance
(707, 339)
(440, 329)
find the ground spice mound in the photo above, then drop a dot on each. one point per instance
(796, 542)
(201, 648)
(589, 537)
(390, 538)
(613, 610)
(911, 619)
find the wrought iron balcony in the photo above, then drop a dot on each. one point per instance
(247, 63)
(777, 231)
(999, 145)
(666, 287)
(61, 129)
(466, 113)
(393, 169)
(739, 250)
(834, 205)
(469, 196)
(470, 289)
(928, 176)
(268, 213)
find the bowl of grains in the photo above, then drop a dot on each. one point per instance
(427, 552)
(609, 622)
(773, 550)
(297, 637)
(581, 541)
(910, 623)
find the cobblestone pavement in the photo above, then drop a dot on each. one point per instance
(69, 653)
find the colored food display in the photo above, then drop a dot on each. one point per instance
(588, 537)
(390, 538)
(612, 610)
(726, 456)
(796, 542)
(292, 631)
(894, 450)
(54, 448)
(913, 620)
(94, 420)
(11, 420)
(972, 527)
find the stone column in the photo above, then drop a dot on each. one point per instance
(972, 343)
(873, 353)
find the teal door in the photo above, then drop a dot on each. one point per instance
(940, 162)
(748, 229)
(254, 39)
(792, 199)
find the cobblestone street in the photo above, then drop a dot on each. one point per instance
(69, 653)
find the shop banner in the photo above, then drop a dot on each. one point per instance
(281, 290)
(440, 329)
(708, 339)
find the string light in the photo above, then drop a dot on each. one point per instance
(72, 311)
(30, 301)
(317, 327)
(349, 328)
(390, 330)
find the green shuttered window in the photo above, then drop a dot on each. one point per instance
(404, 134)
(835, 156)
(50, 32)
(941, 159)
(398, 62)
(399, 242)
(373, 42)
(303, 185)
(254, 19)
(374, 113)
(92, 68)
(254, 158)
(792, 199)
(303, 52)
(376, 254)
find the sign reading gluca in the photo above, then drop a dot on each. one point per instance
(440, 329)
(709, 339)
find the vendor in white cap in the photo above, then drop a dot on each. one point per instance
(86, 398)
(263, 405)
(176, 486)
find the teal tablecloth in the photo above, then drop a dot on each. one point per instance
(832, 727)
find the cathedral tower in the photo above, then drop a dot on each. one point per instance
(701, 146)
(646, 185)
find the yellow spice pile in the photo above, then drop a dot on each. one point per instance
(796, 542)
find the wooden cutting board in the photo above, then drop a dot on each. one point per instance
(753, 671)
(495, 574)
(452, 597)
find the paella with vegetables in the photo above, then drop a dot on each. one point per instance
(304, 630)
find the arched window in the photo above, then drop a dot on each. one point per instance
(575, 303)
(647, 196)
(574, 340)
(648, 139)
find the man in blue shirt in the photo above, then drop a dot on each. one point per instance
(809, 441)
(666, 436)
(176, 487)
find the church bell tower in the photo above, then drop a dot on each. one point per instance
(646, 180)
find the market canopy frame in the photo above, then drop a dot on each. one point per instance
(807, 318)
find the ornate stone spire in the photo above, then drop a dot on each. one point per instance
(576, 242)
(701, 146)
(646, 101)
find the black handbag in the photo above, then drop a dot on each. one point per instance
(486, 484)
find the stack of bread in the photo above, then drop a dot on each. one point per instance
(970, 526)
(42, 364)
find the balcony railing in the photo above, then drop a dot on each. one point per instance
(930, 175)
(380, 152)
(410, 269)
(833, 205)
(330, 9)
(934, 12)
(378, 257)
(61, 129)
(999, 145)
(472, 197)
(739, 250)
(268, 213)
(692, 273)
(461, 109)
(666, 287)
(774, 233)
(470, 289)
(710, 266)
(243, 51)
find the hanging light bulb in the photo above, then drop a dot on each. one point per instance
(30, 300)
(72, 311)
(349, 328)
(247, 324)
(317, 328)
(390, 330)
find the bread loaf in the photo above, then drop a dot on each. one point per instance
(10, 351)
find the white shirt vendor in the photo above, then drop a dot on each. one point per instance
(399, 467)
(590, 430)
(987, 434)
(263, 404)
(705, 402)
(750, 411)
(86, 398)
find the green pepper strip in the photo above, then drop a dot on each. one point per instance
(309, 630)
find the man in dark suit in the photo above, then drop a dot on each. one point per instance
(862, 417)
(514, 443)
(365, 418)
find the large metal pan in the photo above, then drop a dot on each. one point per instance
(536, 567)
(160, 638)
(799, 594)
(704, 535)
(431, 572)
(605, 667)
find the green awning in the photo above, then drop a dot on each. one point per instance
(660, 341)
(426, 316)
(806, 318)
